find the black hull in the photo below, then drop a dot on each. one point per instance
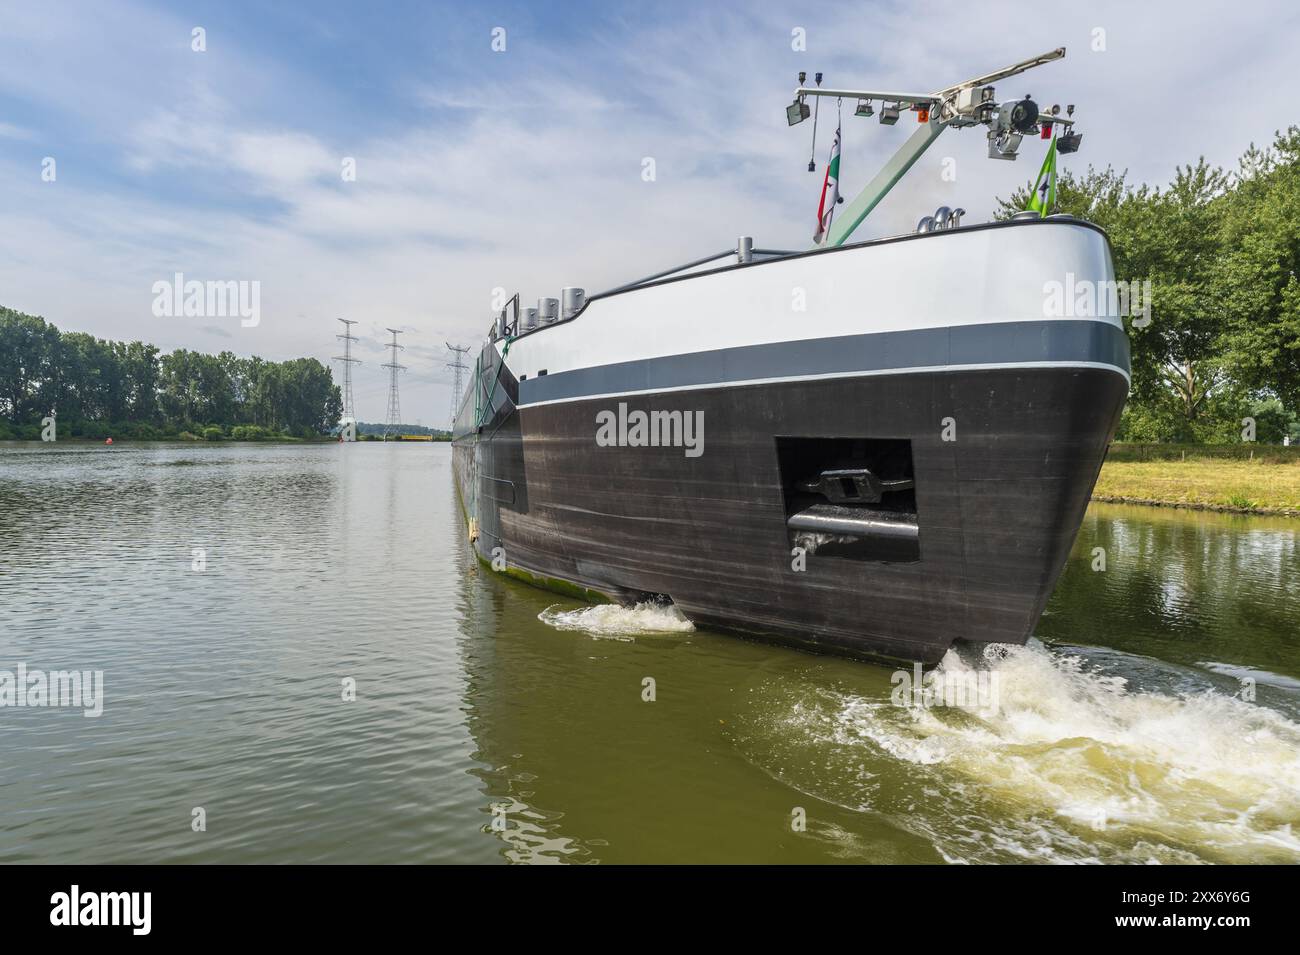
(997, 508)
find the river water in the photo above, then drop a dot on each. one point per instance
(1155, 718)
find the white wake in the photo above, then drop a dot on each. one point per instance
(612, 620)
(1072, 765)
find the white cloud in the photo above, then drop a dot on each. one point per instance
(10, 131)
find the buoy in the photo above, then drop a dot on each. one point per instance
(108, 440)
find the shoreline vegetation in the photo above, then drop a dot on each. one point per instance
(57, 385)
(1236, 478)
(74, 385)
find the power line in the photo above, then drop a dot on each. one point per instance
(394, 417)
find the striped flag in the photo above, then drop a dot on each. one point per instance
(830, 192)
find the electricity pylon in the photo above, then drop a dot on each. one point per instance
(349, 412)
(394, 417)
(460, 368)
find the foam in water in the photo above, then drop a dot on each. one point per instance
(612, 620)
(1263, 677)
(1204, 769)
(1072, 765)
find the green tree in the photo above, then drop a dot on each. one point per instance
(139, 363)
(178, 387)
(28, 354)
(89, 380)
(97, 387)
(1257, 273)
(1169, 237)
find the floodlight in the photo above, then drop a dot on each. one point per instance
(1022, 116)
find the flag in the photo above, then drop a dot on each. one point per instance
(830, 192)
(1043, 198)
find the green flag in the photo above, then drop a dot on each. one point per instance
(1043, 198)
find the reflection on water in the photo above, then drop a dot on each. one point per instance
(497, 722)
(224, 687)
(1213, 592)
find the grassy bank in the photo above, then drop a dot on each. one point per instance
(1226, 478)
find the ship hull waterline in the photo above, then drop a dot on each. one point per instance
(1003, 459)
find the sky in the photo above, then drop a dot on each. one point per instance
(525, 168)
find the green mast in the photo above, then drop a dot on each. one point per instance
(886, 179)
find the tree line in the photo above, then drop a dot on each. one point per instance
(1222, 252)
(98, 388)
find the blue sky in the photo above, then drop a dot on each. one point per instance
(522, 169)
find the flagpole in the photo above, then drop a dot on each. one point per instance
(830, 195)
(812, 155)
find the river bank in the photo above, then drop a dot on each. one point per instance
(1240, 480)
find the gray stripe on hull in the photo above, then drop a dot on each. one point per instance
(1004, 343)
